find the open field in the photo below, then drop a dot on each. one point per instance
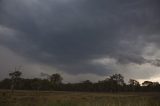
(31, 98)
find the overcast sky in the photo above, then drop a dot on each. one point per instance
(81, 39)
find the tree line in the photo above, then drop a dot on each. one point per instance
(114, 83)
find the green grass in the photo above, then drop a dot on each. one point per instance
(28, 98)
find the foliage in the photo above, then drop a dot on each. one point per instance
(56, 78)
(114, 83)
(15, 78)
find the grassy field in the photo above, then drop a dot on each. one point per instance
(28, 98)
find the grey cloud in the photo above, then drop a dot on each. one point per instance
(68, 34)
(137, 60)
(129, 58)
(155, 62)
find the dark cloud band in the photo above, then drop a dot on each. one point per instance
(70, 34)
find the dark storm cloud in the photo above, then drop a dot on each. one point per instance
(69, 34)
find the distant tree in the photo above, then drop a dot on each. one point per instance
(117, 78)
(56, 79)
(116, 82)
(87, 82)
(36, 84)
(86, 85)
(150, 86)
(147, 83)
(133, 84)
(5, 83)
(15, 77)
(156, 84)
(45, 75)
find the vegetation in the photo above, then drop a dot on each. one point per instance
(34, 98)
(15, 77)
(114, 83)
(51, 91)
